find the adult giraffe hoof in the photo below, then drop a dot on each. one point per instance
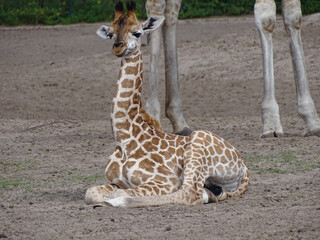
(312, 133)
(184, 132)
(272, 134)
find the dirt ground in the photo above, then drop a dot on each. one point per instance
(56, 87)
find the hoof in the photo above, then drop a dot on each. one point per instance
(312, 133)
(184, 132)
(101, 205)
(272, 134)
(214, 188)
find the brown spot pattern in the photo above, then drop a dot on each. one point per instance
(131, 71)
(157, 158)
(136, 98)
(132, 60)
(138, 82)
(113, 171)
(228, 154)
(127, 83)
(147, 165)
(179, 151)
(155, 141)
(149, 146)
(122, 135)
(133, 112)
(144, 177)
(123, 125)
(123, 104)
(126, 94)
(135, 130)
(223, 160)
(164, 144)
(227, 144)
(218, 149)
(131, 146)
(119, 115)
(138, 154)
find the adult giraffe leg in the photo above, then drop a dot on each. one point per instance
(292, 16)
(154, 8)
(173, 100)
(265, 19)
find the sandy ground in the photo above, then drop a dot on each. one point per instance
(56, 86)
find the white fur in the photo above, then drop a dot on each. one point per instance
(103, 31)
(117, 202)
(205, 197)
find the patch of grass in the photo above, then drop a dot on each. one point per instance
(13, 166)
(308, 166)
(60, 171)
(9, 184)
(4, 164)
(286, 162)
(273, 170)
(287, 157)
(30, 161)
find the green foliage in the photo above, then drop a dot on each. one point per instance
(14, 12)
(207, 8)
(310, 6)
(52, 12)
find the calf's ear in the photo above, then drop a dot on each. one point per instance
(103, 32)
(152, 23)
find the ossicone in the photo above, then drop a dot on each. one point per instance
(131, 6)
(119, 6)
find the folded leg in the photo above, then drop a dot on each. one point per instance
(98, 194)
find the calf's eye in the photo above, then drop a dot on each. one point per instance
(136, 34)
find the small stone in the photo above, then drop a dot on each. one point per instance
(168, 228)
(2, 235)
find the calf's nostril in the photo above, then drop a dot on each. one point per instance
(118, 44)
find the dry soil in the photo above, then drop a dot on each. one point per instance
(56, 87)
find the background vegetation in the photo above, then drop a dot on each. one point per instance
(15, 12)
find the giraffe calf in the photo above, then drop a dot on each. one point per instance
(149, 166)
